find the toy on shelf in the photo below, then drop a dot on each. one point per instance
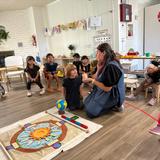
(131, 54)
(61, 106)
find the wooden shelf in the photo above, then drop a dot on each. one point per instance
(139, 57)
(64, 61)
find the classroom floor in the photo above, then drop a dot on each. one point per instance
(124, 136)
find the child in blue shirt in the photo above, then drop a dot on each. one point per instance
(50, 69)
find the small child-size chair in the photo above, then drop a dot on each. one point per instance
(14, 67)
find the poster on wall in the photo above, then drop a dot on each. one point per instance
(95, 21)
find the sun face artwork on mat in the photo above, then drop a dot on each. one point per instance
(34, 137)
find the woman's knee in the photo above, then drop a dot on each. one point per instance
(90, 115)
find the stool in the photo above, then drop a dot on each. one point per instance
(132, 82)
(157, 88)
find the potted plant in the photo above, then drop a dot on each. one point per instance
(72, 49)
(3, 34)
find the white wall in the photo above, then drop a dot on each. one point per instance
(62, 12)
(39, 22)
(20, 26)
(141, 23)
(126, 42)
(152, 29)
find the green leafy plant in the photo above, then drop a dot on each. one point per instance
(71, 48)
(3, 34)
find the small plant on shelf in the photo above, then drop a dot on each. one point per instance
(3, 34)
(72, 49)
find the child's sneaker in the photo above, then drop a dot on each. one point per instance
(42, 91)
(152, 101)
(29, 94)
(131, 97)
(155, 130)
(121, 108)
(118, 109)
(4, 95)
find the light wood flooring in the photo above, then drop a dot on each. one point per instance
(124, 136)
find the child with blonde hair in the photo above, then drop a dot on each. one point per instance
(72, 87)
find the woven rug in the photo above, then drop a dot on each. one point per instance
(44, 135)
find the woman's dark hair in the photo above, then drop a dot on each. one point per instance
(49, 54)
(84, 57)
(76, 55)
(109, 53)
(107, 50)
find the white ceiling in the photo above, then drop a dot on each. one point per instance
(21, 4)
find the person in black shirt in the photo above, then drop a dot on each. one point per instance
(85, 65)
(33, 75)
(72, 88)
(152, 76)
(109, 90)
(50, 69)
(156, 62)
(77, 62)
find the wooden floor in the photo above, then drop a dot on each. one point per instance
(124, 136)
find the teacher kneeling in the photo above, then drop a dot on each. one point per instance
(108, 84)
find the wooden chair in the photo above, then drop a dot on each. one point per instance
(14, 67)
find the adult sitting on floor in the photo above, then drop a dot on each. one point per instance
(152, 76)
(108, 84)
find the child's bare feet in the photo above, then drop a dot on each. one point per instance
(58, 89)
(49, 90)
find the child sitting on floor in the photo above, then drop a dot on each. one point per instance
(152, 76)
(77, 62)
(72, 89)
(85, 66)
(32, 71)
(50, 69)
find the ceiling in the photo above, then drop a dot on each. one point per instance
(21, 4)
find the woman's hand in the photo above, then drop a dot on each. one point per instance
(88, 80)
